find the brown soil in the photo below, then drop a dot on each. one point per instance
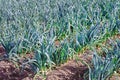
(115, 76)
(8, 71)
(72, 70)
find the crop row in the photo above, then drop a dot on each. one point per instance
(33, 26)
(103, 67)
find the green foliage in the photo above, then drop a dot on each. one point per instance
(103, 67)
(34, 25)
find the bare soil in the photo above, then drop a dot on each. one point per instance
(72, 70)
(8, 71)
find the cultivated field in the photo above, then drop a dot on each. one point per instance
(59, 40)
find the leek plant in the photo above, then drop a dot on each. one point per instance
(28, 26)
(104, 67)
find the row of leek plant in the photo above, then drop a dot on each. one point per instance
(103, 67)
(32, 26)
